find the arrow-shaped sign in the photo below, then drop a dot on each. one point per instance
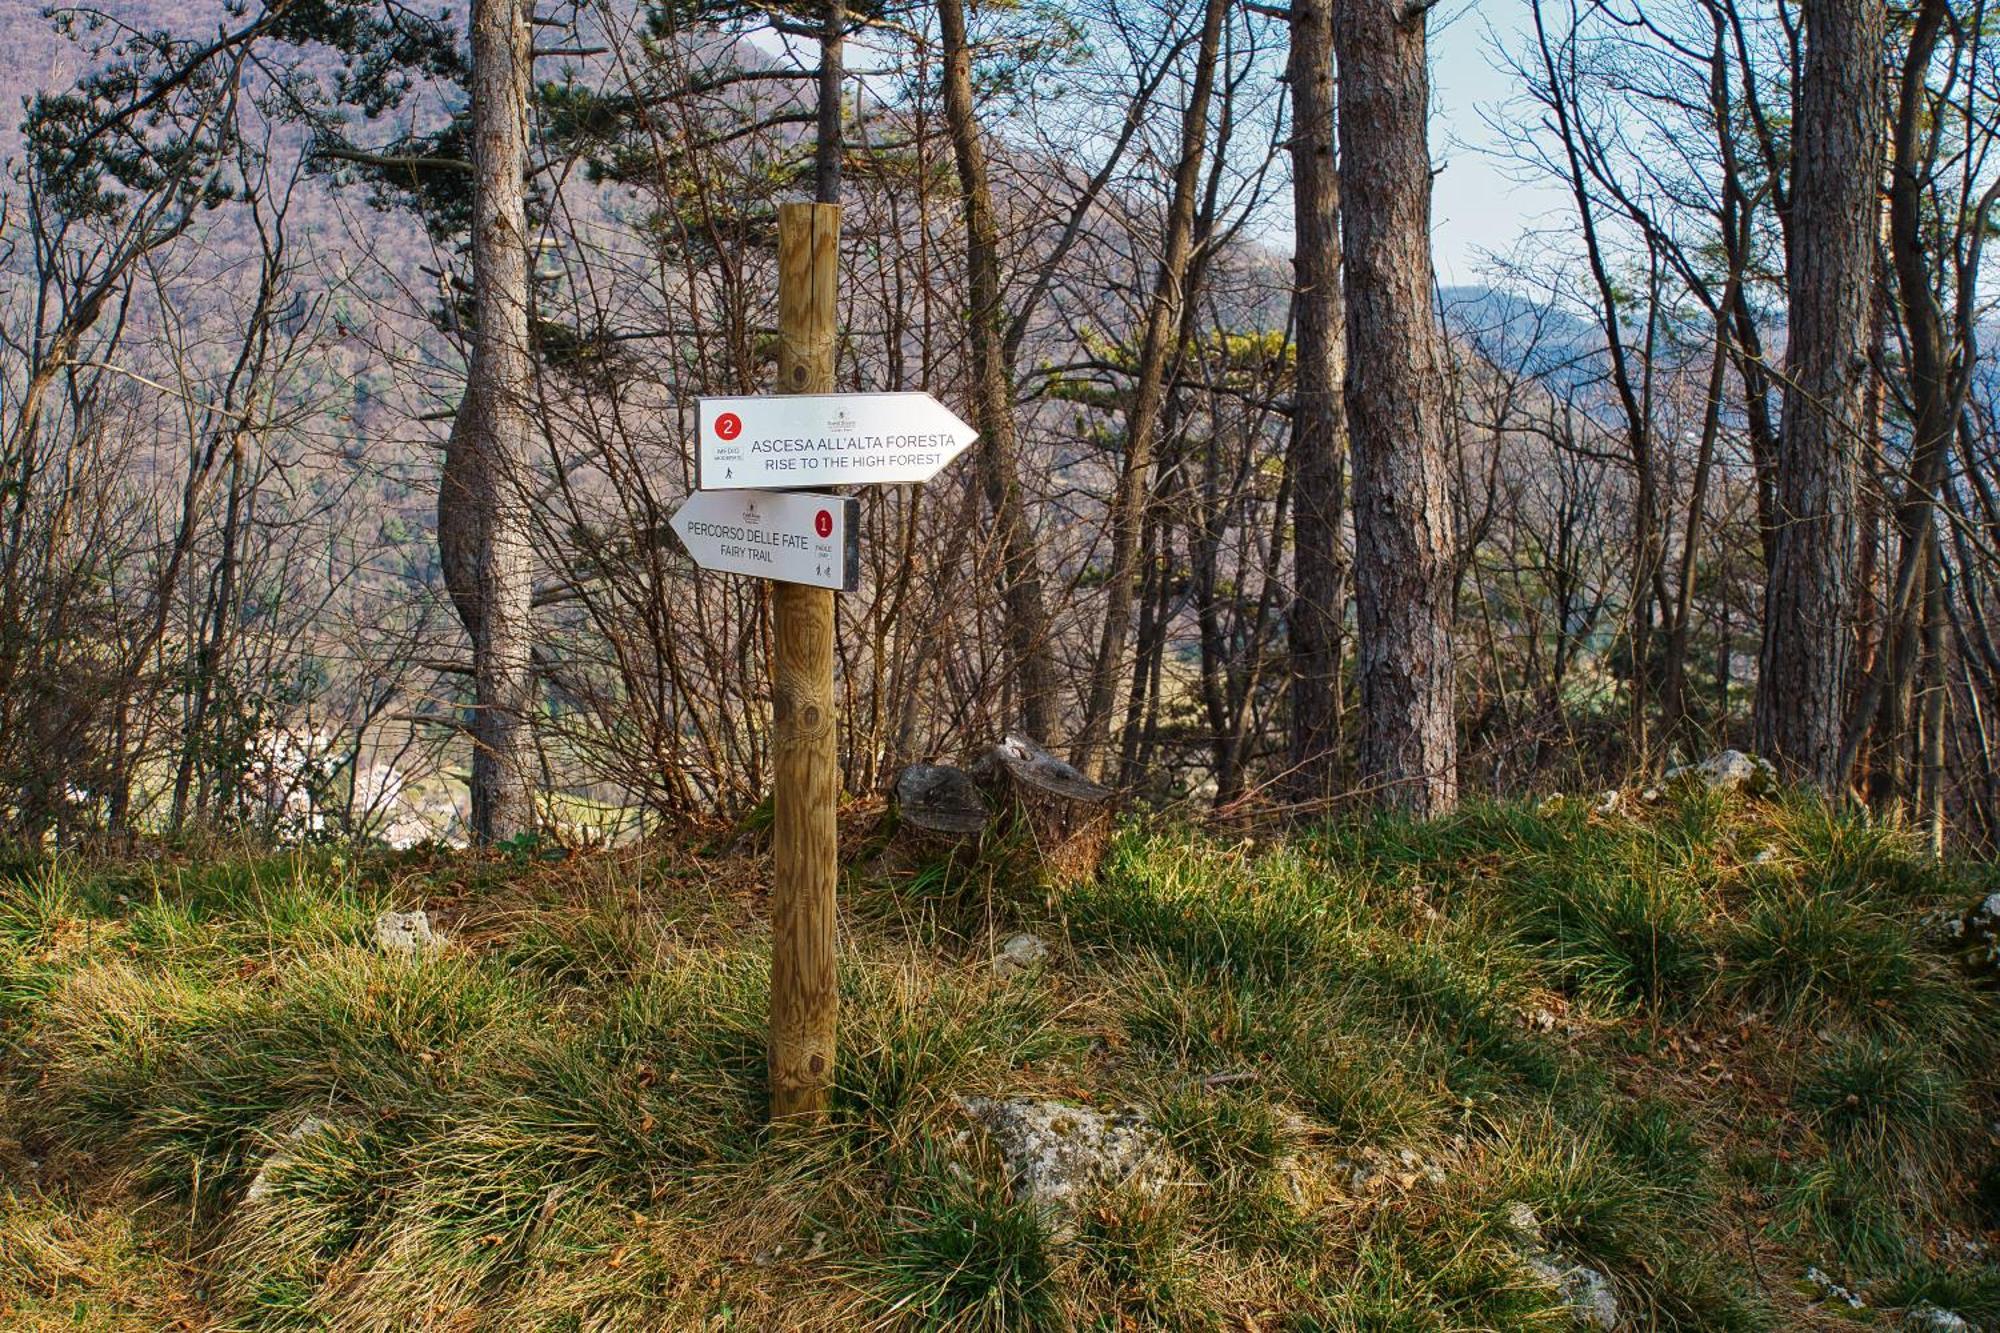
(790, 536)
(825, 439)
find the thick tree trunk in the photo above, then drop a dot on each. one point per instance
(993, 386)
(1142, 420)
(1395, 413)
(1319, 419)
(1809, 608)
(483, 536)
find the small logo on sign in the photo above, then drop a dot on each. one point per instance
(840, 423)
(729, 425)
(823, 523)
(751, 518)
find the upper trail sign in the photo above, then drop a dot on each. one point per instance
(825, 439)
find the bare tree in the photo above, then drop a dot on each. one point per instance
(1158, 345)
(1319, 423)
(1027, 621)
(483, 528)
(1808, 623)
(1403, 560)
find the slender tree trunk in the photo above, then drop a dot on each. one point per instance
(1319, 419)
(1027, 621)
(1142, 420)
(1809, 609)
(483, 531)
(1882, 708)
(1403, 563)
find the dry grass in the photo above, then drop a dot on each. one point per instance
(1707, 1046)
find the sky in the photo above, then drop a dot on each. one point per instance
(1476, 205)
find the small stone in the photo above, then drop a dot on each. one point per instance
(1591, 1298)
(1729, 771)
(1057, 1154)
(1975, 937)
(260, 1184)
(1019, 954)
(1935, 1319)
(406, 934)
(1609, 802)
(1833, 1291)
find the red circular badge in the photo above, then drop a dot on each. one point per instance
(729, 425)
(823, 524)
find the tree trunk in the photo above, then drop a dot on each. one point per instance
(483, 536)
(1163, 328)
(1882, 708)
(1395, 413)
(1809, 611)
(1319, 423)
(1027, 621)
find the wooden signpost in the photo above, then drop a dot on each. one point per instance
(807, 544)
(805, 840)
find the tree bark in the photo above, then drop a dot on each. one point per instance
(1395, 413)
(1809, 609)
(1319, 421)
(483, 532)
(1027, 621)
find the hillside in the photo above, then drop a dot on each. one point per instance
(1691, 1066)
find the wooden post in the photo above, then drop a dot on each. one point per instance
(804, 840)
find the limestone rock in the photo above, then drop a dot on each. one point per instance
(1729, 771)
(260, 1184)
(406, 934)
(1975, 937)
(1019, 954)
(1591, 1298)
(1934, 1319)
(1830, 1290)
(1057, 1154)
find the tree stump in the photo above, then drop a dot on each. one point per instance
(940, 799)
(1018, 791)
(1066, 816)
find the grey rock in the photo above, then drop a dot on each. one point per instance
(1975, 937)
(1592, 1300)
(1729, 771)
(1830, 1290)
(406, 934)
(1019, 954)
(1934, 1319)
(260, 1184)
(1058, 1154)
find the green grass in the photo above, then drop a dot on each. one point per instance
(1705, 1044)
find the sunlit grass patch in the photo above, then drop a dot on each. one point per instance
(1889, 1108)
(1360, 1047)
(964, 1254)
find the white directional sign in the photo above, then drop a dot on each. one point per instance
(825, 439)
(790, 536)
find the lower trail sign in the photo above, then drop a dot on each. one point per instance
(788, 536)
